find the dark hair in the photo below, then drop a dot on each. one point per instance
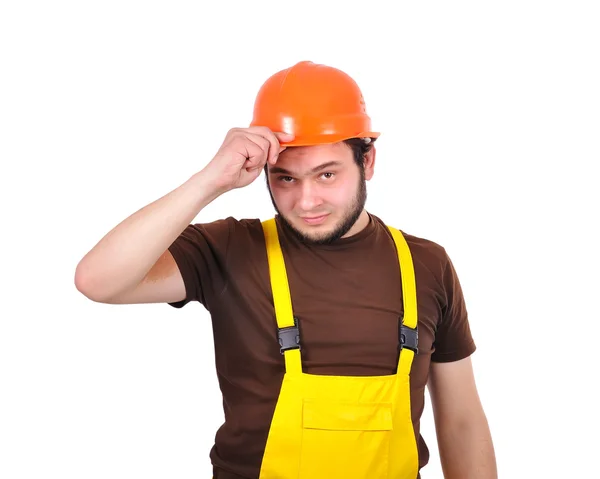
(360, 148)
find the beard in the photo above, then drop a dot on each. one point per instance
(350, 217)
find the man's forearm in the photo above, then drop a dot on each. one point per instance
(123, 257)
(466, 450)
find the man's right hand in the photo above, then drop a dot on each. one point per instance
(243, 155)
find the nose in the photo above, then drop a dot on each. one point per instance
(309, 196)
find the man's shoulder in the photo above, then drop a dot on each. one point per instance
(223, 232)
(229, 222)
(235, 229)
(423, 249)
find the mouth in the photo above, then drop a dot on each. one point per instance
(315, 220)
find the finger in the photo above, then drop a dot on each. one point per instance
(281, 136)
(265, 134)
(276, 158)
(264, 143)
(257, 148)
(275, 139)
(284, 137)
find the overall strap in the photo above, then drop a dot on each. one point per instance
(409, 338)
(289, 335)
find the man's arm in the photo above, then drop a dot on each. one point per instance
(132, 263)
(463, 435)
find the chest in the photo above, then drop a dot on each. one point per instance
(348, 308)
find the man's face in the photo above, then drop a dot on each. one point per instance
(318, 191)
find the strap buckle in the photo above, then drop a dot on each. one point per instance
(409, 338)
(289, 337)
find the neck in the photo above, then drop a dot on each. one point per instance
(360, 224)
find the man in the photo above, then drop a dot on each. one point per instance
(328, 323)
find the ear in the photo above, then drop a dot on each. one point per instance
(370, 163)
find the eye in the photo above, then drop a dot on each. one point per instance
(285, 179)
(330, 175)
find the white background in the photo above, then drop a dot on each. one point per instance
(489, 113)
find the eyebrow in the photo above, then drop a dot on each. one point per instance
(278, 169)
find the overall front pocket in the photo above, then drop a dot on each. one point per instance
(345, 440)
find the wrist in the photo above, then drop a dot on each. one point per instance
(206, 187)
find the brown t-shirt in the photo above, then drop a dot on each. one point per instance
(348, 300)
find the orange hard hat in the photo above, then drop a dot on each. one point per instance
(316, 103)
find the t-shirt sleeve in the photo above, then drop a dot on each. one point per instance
(453, 339)
(201, 252)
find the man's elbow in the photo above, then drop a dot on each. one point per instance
(86, 285)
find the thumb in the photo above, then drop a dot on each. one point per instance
(284, 137)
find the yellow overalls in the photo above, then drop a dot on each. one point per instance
(346, 427)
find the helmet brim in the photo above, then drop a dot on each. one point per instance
(312, 140)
